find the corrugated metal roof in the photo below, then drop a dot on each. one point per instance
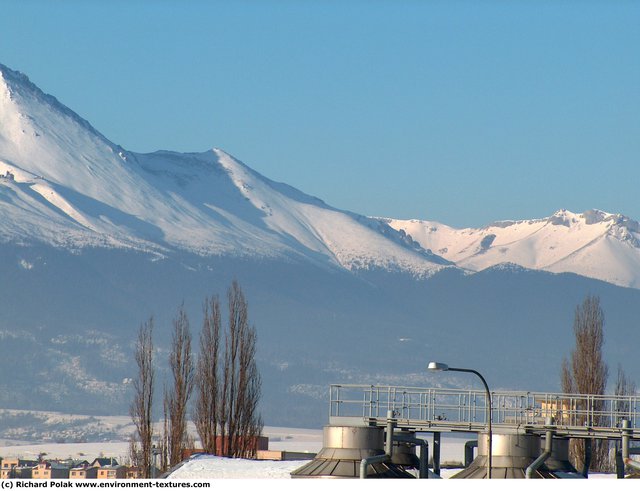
(346, 468)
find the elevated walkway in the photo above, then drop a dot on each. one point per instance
(448, 410)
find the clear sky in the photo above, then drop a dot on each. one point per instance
(464, 112)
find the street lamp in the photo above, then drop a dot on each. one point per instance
(155, 451)
(435, 366)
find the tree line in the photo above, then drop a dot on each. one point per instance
(223, 379)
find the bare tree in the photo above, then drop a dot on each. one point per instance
(141, 406)
(241, 381)
(624, 387)
(229, 388)
(177, 396)
(134, 452)
(207, 377)
(586, 373)
(164, 441)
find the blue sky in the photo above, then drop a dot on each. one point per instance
(464, 112)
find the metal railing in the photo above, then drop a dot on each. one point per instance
(453, 409)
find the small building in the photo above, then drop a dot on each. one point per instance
(83, 472)
(112, 472)
(17, 468)
(50, 470)
(559, 409)
(104, 461)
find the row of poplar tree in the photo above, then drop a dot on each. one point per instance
(224, 380)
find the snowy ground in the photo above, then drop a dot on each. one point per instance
(208, 467)
(292, 439)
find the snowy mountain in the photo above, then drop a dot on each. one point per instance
(66, 185)
(594, 244)
(95, 238)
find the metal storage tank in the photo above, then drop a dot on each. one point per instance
(558, 462)
(344, 447)
(513, 453)
(404, 455)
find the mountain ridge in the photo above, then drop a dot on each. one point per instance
(94, 239)
(208, 202)
(99, 194)
(595, 244)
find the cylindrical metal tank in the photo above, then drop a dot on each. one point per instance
(344, 447)
(404, 455)
(512, 454)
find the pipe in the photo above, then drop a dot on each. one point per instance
(548, 445)
(634, 464)
(388, 448)
(620, 461)
(374, 459)
(468, 452)
(628, 461)
(388, 444)
(625, 439)
(423, 471)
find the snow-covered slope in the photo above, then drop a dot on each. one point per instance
(66, 185)
(95, 238)
(594, 244)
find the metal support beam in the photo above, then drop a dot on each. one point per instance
(587, 457)
(436, 453)
(619, 464)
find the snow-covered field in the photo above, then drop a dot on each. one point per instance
(213, 468)
(208, 467)
(291, 439)
(298, 440)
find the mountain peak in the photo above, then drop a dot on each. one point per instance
(562, 217)
(12, 79)
(616, 219)
(19, 90)
(594, 243)
(70, 185)
(26, 110)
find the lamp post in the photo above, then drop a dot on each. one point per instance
(435, 366)
(155, 451)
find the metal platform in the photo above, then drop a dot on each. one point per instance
(447, 410)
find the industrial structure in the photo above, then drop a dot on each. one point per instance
(375, 430)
